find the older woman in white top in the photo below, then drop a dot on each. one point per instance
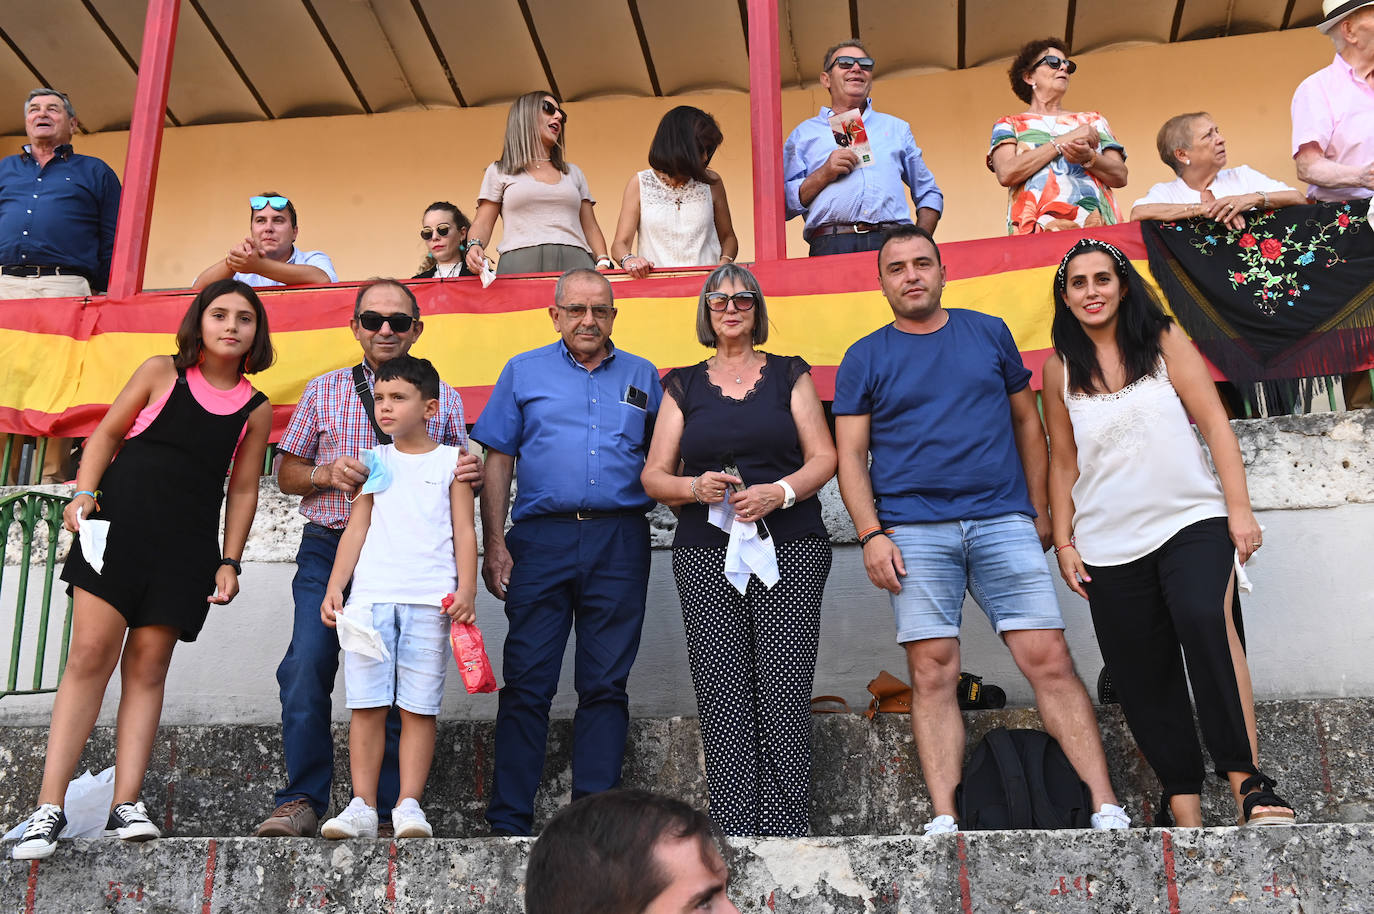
(677, 205)
(542, 199)
(1192, 145)
(1148, 534)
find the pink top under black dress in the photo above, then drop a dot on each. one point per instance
(162, 495)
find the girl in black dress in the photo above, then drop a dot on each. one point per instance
(176, 426)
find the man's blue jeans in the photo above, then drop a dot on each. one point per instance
(306, 676)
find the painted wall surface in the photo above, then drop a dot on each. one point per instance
(362, 182)
(1308, 625)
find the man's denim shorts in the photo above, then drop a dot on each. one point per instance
(998, 560)
(413, 679)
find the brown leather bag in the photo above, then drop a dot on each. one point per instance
(890, 695)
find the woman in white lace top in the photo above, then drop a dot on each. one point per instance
(1149, 534)
(677, 206)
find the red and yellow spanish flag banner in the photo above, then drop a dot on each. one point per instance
(64, 360)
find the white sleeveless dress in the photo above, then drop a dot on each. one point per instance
(677, 225)
(1142, 475)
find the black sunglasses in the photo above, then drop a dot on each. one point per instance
(442, 230)
(719, 301)
(845, 62)
(1056, 62)
(551, 109)
(371, 321)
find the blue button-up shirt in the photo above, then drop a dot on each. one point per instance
(579, 437)
(871, 194)
(62, 214)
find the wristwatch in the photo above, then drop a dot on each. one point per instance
(789, 495)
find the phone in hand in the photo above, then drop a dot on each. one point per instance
(732, 469)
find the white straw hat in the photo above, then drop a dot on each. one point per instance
(1333, 11)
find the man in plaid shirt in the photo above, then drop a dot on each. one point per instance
(328, 431)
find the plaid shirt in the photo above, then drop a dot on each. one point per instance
(330, 422)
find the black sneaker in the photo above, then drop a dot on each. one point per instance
(130, 822)
(1106, 689)
(40, 838)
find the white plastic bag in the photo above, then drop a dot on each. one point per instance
(87, 806)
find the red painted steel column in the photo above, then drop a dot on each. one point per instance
(145, 146)
(765, 118)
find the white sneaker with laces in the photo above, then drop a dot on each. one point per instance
(130, 822)
(358, 820)
(409, 820)
(1110, 818)
(941, 825)
(40, 837)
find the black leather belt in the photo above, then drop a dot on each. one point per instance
(586, 514)
(33, 271)
(851, 228)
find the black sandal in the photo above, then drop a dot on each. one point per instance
(1258, 790)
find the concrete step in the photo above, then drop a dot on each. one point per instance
(1313, 869)
(218, 781)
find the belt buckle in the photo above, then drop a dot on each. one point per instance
(581, 515)
(859, 228)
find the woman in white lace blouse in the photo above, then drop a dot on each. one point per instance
(677, 205)
(1148, 534)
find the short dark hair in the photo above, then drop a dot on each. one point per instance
(189, 344)
(597, 855)
(561, 287)
(419, 372)
(847, 43)
(1025, 61)
(718, 277)
(45, 90)
(290, 207)
(685, 141)
(902, 233)
(376, 281)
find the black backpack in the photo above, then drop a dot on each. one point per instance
(1021, 779)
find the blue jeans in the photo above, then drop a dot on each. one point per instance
(848, 243)
(593, 574)
(306, 676)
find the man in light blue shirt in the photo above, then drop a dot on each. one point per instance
(269, 256)
(571, 423)
(847, 208)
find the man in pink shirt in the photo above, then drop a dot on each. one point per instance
(1333, 125)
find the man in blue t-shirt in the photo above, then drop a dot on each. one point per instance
(956, 500)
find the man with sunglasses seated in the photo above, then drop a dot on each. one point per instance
(269, 256)
(322, 461)
(848, 206)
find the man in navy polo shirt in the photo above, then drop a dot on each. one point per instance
(57, 208)
(571, 423)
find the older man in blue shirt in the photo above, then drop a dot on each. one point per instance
(57, 209)
(571, 423)
(847, 208)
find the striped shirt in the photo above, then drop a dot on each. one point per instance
(330, 422)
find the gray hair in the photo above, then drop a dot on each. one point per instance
(522, 147)
(722, 274)
(847, 43)
(1177, 133)
(560, 290)
(44, 90)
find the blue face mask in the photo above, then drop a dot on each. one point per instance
(378, 474)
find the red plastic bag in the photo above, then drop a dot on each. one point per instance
(471, 655)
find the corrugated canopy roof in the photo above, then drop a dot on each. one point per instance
(248, 60)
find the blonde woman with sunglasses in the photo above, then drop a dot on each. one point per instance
(1059, 167)
(444, 230)
(546, 209)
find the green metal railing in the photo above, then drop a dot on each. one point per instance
(32, 511)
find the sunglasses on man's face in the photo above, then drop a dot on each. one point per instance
(442, 230)
(846, 62)
(551, 109)
(371, 321)
(277, 203)
(1054, 63)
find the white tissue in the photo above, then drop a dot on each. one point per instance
(746, 552)
(488, 273)
(360, 638)
(92, 535)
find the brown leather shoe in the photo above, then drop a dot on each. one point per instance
(292, 819)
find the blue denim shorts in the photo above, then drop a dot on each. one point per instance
(413, 679)
(998, 560)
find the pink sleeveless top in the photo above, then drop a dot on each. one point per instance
(210, 398)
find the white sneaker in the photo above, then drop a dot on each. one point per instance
(358, 820)
(941, 825)
(130, 822)
(40, 837)
(1110, 818)
(409, 820)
